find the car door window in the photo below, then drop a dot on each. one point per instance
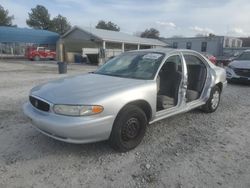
(177, 60)
(193, 60)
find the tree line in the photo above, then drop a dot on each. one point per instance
(39, 18)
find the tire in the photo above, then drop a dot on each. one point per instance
(230, 81)
(129, 129)
(36, 58)
(213, 101)
(53, 58)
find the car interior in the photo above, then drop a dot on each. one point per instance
(170, 76)
(197, 74)
(168, 82)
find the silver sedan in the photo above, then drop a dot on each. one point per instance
(117, 101)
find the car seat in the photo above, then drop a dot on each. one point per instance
(168, 85)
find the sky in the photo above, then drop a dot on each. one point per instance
(170, 17)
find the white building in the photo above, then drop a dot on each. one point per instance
(214, 45)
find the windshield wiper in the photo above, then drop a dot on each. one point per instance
(116, 75)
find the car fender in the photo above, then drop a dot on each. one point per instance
(145, 93)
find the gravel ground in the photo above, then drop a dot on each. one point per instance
(188, 150)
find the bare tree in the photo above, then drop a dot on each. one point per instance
(151, 33)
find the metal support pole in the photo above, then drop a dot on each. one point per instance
(123, 47)
(104, 44)
(62, 53)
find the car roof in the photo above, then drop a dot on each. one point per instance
(169, 51)
(164, 50)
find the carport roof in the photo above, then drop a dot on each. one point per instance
(114, 36)
(25, 35)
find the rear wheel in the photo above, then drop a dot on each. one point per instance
(36, 58)
(129, 129)
(53, 57)
(213, 101)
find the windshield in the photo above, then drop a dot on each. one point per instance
(244, 56)
(138, 65)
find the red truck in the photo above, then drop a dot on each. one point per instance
(40, 53)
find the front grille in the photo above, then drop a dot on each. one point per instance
(242, 72)
(39, 104)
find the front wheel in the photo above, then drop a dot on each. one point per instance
(129, 129)
(213, 101)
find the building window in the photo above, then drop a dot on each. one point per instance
(175, 45)
(238, 43)
(234, 43)
(203, 46)
(189, 45)
(227, 43)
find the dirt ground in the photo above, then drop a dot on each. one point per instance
(189, 150)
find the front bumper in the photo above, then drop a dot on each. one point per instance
(70, 129)
(232, 76)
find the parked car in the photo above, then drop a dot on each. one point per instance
(224, 61)
(117, 101)
(239, 68)
(40, 53)
(212, 58)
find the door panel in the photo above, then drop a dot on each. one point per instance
(170, 84)
(197, 76)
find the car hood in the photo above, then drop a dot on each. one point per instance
(240, 64)
(82, 89)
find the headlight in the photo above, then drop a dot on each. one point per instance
(77, 110)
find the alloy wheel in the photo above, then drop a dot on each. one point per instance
(215, 100)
